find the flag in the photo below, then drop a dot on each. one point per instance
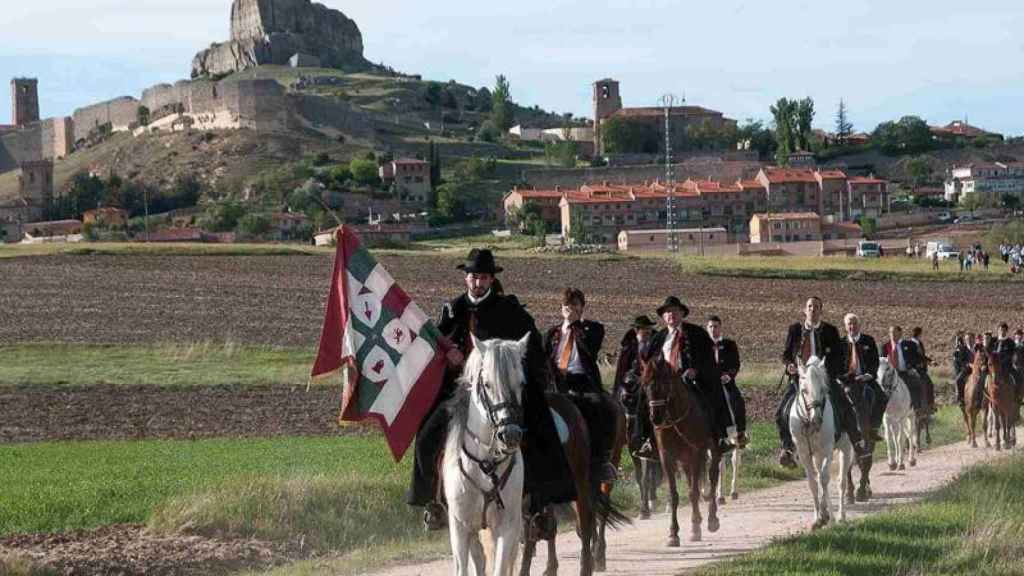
(394, 363)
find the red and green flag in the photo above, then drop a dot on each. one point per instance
(388, 345)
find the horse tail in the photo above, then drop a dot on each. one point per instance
(607, 512)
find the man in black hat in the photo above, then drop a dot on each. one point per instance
(815, 338)
(634, 346)
(688, 349)
(571, 349)
(487, 314)
(727, 358)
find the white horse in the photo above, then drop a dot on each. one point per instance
(900, 419)
(483, 470)
(736, 458)
(813, 426)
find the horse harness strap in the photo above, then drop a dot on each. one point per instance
(490, 469)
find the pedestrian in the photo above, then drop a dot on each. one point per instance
(935, 260)
(960, 260)
(984, 260)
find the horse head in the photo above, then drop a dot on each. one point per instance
(495, 375)
(813, 391)
(661, 385)
(886, 375)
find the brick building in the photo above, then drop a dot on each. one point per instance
(608, 105)
(411, 179)
(686, 238)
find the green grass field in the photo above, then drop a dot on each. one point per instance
(195, 364)
(973, 526)
(841, 268)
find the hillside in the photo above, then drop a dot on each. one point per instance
(894, 168)
(354, 113)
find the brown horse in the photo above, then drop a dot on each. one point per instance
(1002, 403)
(974, 395)
(683, 434)
(856, 392)
(594, 508)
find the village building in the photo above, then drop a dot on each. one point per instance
(689, 239)
(109, 217)
(989, 180)
(410, 178)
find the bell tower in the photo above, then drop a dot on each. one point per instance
(607, 101)
(24, 101)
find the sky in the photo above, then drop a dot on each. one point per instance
(942, 60)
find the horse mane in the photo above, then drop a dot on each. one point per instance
(503, 361)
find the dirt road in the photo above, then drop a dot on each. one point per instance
(748, 523)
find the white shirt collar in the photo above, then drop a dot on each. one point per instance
(808, 326)
(474, 300)
(854, 339)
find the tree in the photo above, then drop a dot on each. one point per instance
(753, 135)
(578, 233)
(971, 201)
(501, 105)
(254, 225)
(484, 102)
(561, 154)
(448, 100)
(432, 94)
(782, 112)
(142, 116)
(844, 128)
(1010, 201)
(522, 217)
(804, 117)
(364, 171)
(910, 135)
(920, 171)
(621, 136)
(868, 225)
(450, 202)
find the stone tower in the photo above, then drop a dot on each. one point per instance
(24, 101)
(607, 101)
(35, 184)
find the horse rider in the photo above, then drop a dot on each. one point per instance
(927, 386)
(727, 359)
(1003, 346)
(861, 354)
(571, 350)
(688, 350)
(814, 337)
(487, 314)
(903, 355)
(962, 358)
(627, 388)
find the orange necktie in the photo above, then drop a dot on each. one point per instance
(673, 360)
(805, 349)
(471, 332)
(563, 360)
(854, 361)
(893, 360)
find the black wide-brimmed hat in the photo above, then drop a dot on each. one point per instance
(480, 261)
(643, 322)
(671, 302)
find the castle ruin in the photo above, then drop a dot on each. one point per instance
(275, 31)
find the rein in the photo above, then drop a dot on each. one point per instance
(672, 424)
(489, 465)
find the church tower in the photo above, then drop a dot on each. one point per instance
(24, 101)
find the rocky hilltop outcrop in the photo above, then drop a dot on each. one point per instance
(272, 31)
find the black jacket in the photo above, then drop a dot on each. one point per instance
(728, 357)
(697, 353)
(501, 316)
(589, 336)
(867, 355)
(627, 368)
(911, 355)
(828, 346)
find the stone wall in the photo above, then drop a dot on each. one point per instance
(261, 104)
(20, 146)
(338, 115)
(162, 95)
(120, 113)
(721, 171)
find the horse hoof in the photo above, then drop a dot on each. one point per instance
(862, 496)
(913, 463)
(735, 495)
(713, 525)
(645, 515)
(721, 500)
(902, 467)
(599, 566)
(673, 542)
(695, 536)
(850, 499)
(892, 465)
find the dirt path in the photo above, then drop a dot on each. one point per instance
(748, 523)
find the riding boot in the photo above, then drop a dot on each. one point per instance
(782, 418)
(429, 443)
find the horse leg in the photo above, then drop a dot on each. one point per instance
(585, 530)
(640, 475)
(846, 486)
(552, 567)
(824, 479)
(845, 465)
(694, 471)
(736, 458)
(669, 469)
(715, 466)
(721, 474)
(459, 536)
(892, 449)
(505, 547)
(529, 550)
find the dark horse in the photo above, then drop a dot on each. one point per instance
(594, 508)
(683, 433)
(646, 469)
(857, 392)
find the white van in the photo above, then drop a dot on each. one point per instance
(943, 248)
(868, 249)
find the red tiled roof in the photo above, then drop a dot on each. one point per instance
(788, 216)
(657, 111)
(832, 174)
(526, 194)
(401, 161)
(54, 228)
(865, 180)
(749, 184)
(175, 235)
(781, 175)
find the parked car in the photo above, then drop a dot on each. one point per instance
(868, 249)
(945, 217)
(964, 218)
(945, 250)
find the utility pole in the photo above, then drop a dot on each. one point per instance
(671, 240)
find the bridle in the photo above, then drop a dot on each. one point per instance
(810, 424)
(666, 403)
(490, 463)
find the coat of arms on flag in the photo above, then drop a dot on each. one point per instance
(388, 345)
